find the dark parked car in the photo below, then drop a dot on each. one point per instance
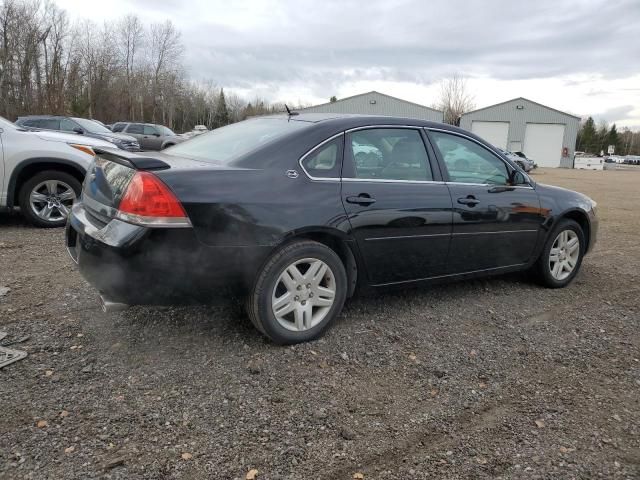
(285, 211)
(81, 126)
(149, 135)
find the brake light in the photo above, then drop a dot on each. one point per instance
(148, 201)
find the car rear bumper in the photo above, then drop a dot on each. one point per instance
(156, 266)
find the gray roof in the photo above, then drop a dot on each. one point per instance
(526, 100)
(377, 93)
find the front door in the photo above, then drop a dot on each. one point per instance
(398, 206)
(136, 130)
(152, 138)
(495, 224)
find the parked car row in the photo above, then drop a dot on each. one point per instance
(80, 126)
(150, 136)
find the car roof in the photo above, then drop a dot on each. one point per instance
(346, 121)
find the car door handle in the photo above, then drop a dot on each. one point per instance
(362, 199)
(469, 200)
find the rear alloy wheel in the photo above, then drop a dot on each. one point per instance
(46, 198)
(299, 292)
(562, 254)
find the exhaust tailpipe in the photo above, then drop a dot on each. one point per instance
(109, 306)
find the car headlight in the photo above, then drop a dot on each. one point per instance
(83, 148)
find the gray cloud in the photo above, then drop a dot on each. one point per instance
(615, 114)
(328, 43)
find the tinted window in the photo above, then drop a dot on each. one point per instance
(118, 127)
(225, 144)
(150, 130)
(164, 130)
(68, 125)
(135, 128)
(91, 126)
(47, 123)
(388, 154)
(468, 162)
(324, 161)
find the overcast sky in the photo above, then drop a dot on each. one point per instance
(582, 57)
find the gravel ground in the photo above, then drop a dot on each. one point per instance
(494, 378)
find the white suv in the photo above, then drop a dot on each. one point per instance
(42, 172)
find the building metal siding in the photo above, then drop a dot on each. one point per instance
(384, 105)
(518, 119)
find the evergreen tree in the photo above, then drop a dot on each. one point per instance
(333, 99)
(614, 139)
(587, 138)
(221, 118)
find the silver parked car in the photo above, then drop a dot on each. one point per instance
(149, 135)
(42, 171)
(520, 159)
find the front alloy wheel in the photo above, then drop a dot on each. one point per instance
(561, 255)
(564, 254)
(51, 200)
(46, 198)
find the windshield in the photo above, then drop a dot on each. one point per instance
(4, 123)
(225, 144)
(91, 126)
(164, 130)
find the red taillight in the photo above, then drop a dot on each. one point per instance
(147, 196)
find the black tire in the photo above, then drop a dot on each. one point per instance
(259, 300)
(33, 182)
(542, 268)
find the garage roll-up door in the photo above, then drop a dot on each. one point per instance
(543, 143)
(496, 133)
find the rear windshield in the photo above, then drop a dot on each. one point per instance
(225, 144)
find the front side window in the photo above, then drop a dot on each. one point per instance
(135, 128)
(67, 125)
(468, 162)
(388, 154)
(118, 127)
(324, 161)
(150, 130)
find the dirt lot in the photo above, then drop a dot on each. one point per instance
(487, 379)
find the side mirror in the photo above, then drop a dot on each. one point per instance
(518, 178)
(156, 134)
(78, 130)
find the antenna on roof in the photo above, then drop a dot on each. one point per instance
(289, 112)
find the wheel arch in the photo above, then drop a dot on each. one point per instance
(27, 168)
(340, 243)
(582, 219)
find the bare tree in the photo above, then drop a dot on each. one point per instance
(455, 99)
(165, 52)
(129, 38)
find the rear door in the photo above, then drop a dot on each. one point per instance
(397, 204)
(495, 224)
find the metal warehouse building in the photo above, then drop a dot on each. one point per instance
(375, 103)
(545, 135)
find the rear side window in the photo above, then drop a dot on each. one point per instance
(47, 123)
(468, 162)
(325, 161)
(387, 154)
(135, 128)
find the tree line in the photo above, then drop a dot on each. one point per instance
(595, 139)
(114, 71)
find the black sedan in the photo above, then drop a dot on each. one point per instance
(297, 212)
